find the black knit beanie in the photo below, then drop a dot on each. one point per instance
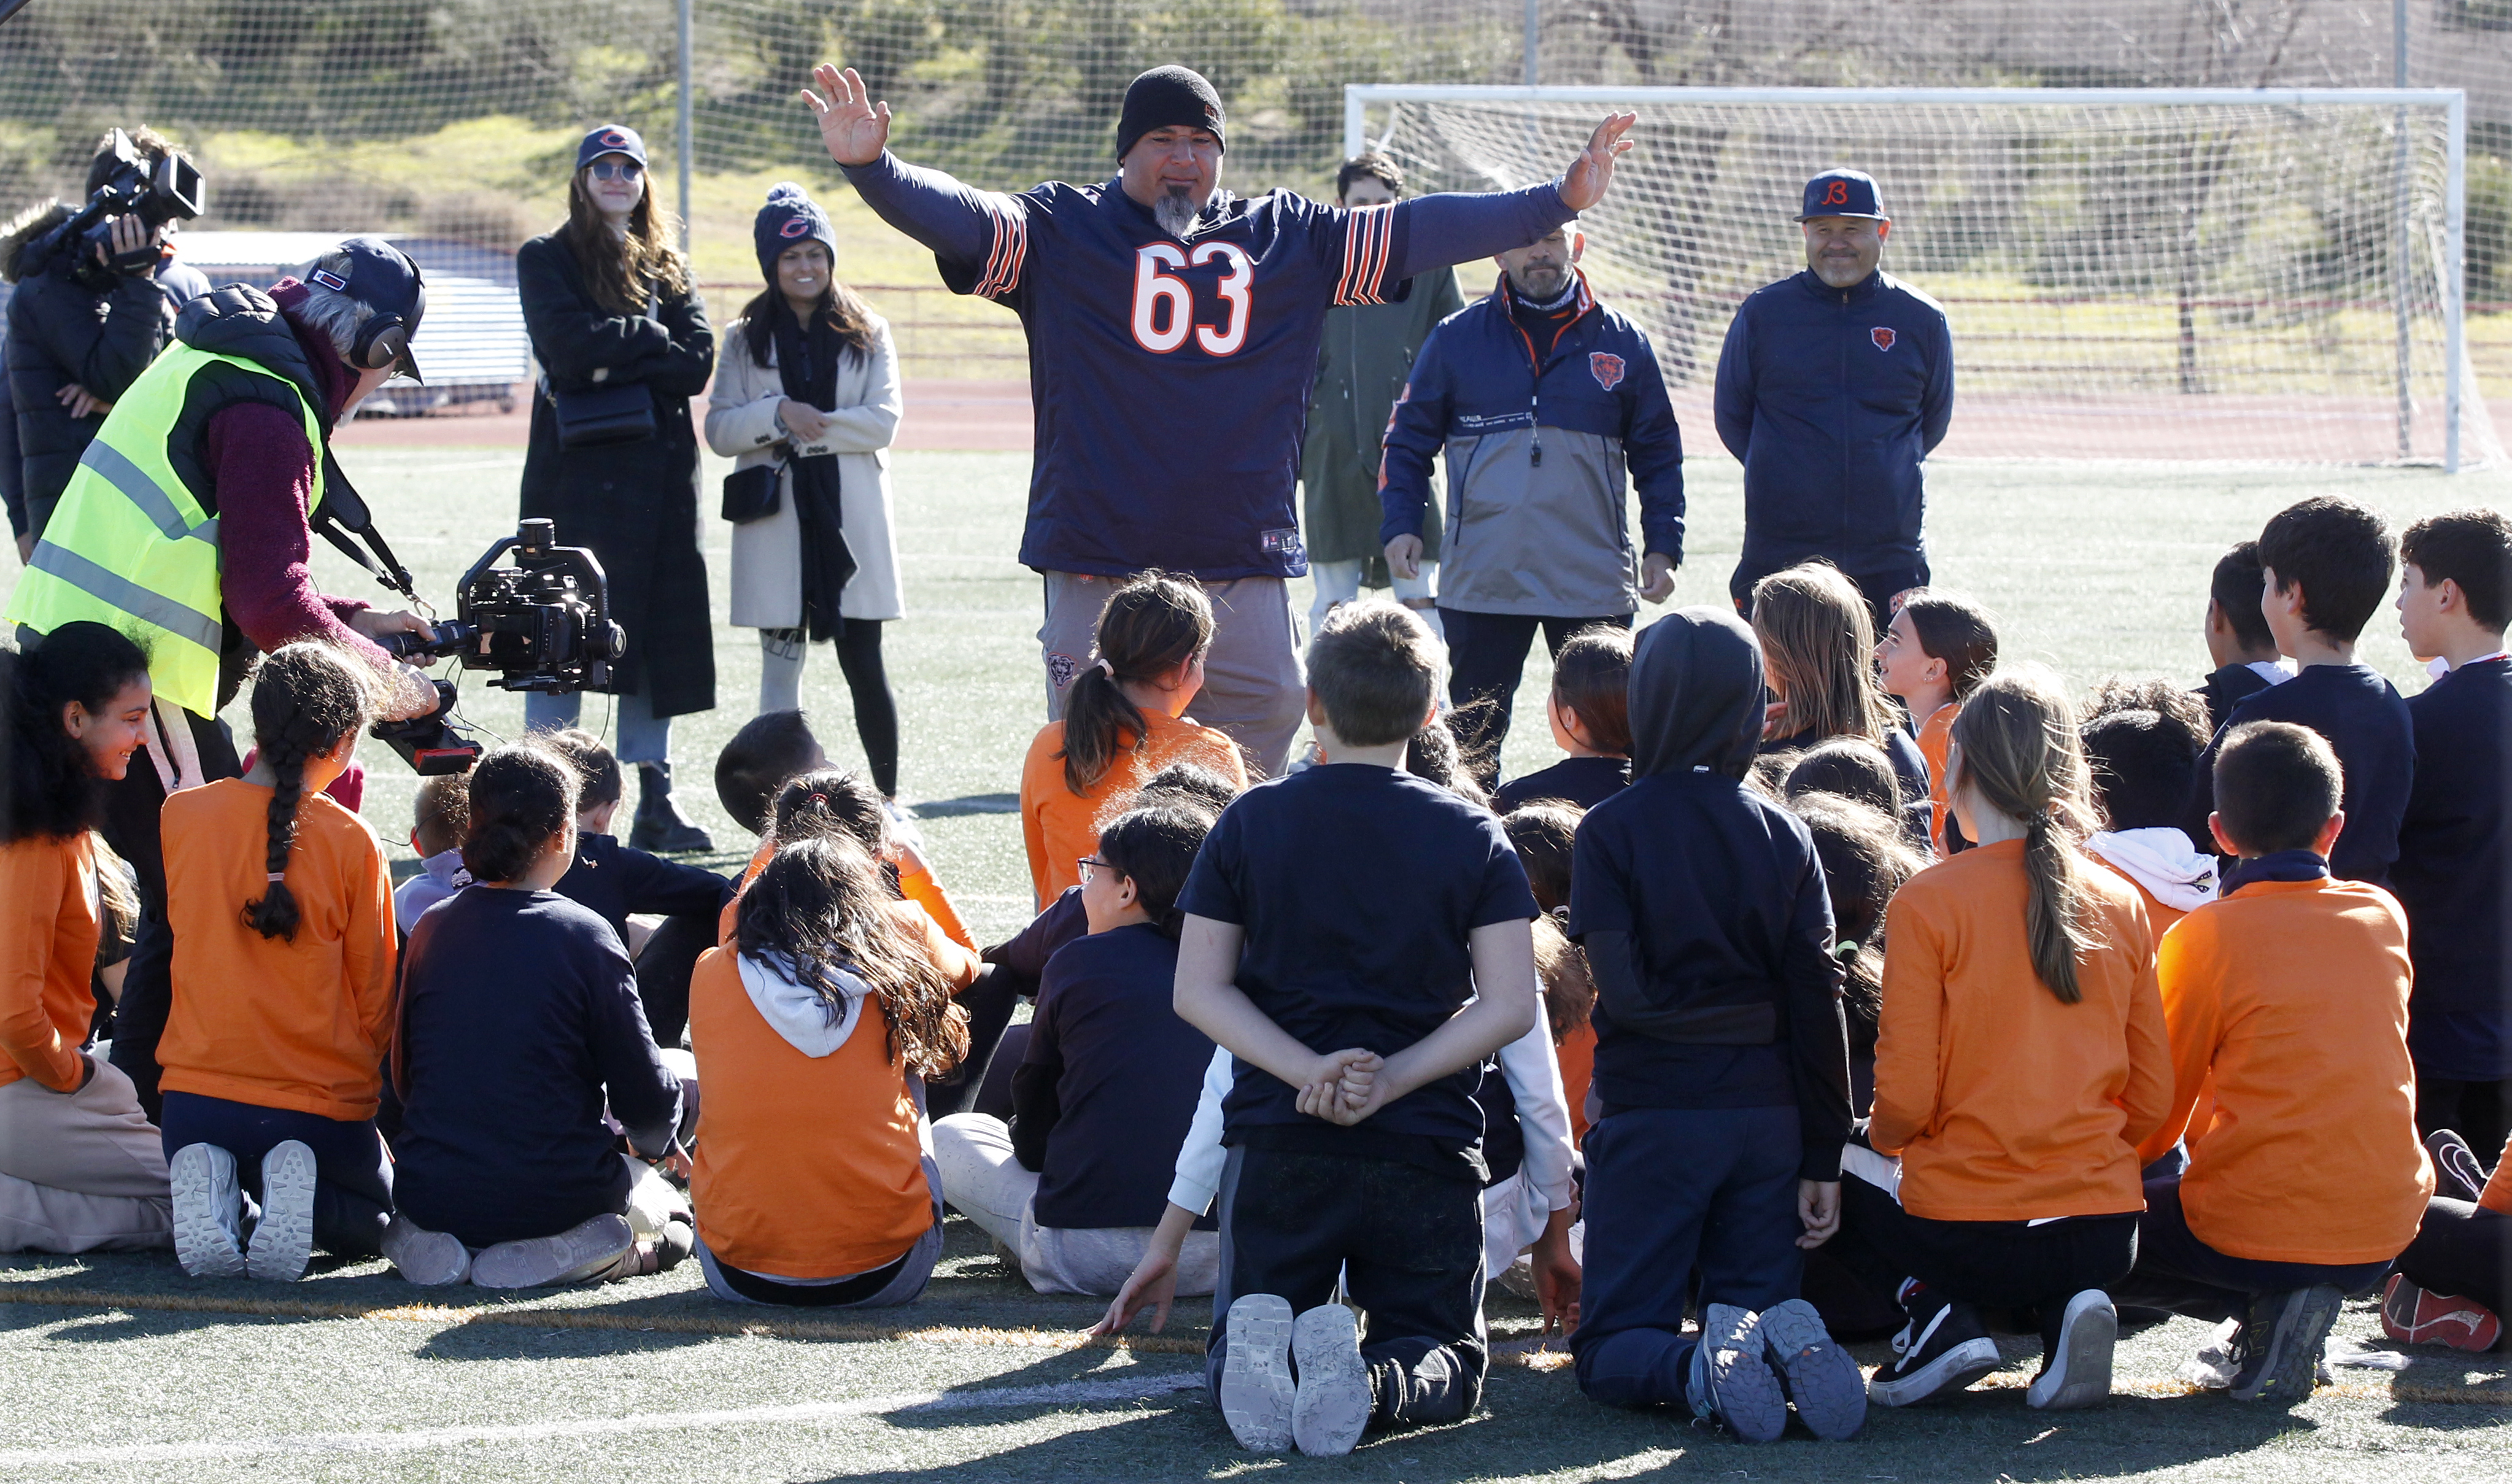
(1166, 95)
(789, 217)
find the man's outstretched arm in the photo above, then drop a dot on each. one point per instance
(1436, 231)
(984, 231)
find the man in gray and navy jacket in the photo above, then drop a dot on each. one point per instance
(1833, 386)
(1545, 399)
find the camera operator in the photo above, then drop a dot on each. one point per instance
(188, 527)
(83, 324)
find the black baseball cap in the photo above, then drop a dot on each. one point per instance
(382, 278)
(1843, 193)
(611, 140)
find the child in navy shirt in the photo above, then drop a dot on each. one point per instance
(2324, 565)
(2238, 642)
(1722, 1066)
(520, 1028)
(2452, 876)
(1592, 722)
(1358, 939)
(1074, 1186)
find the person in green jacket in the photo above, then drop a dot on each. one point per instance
(1363, 360)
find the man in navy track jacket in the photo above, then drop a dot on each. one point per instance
(1833, 386)
(1550, 405)
(1173, 333)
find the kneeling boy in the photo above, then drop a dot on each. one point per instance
(1358, 940)
(2291, 991)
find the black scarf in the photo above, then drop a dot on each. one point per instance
(808, 366)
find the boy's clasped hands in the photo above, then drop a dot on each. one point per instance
(1345, 1087)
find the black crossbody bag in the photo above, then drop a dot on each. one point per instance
(593, 416)
(753, 493)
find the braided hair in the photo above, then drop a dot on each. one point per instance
(307, 696)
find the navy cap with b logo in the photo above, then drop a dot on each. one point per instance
(1843, 193)
(611, 140)
(382, 278)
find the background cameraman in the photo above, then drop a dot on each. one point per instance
(234, 421)
(81, 327)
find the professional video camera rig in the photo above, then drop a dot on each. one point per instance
(542, 624)
(156, 194)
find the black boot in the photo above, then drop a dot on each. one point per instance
(660, 825)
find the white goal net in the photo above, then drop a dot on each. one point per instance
(2159, 274)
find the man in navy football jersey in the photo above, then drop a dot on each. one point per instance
(1173, 332)
(1833, 386)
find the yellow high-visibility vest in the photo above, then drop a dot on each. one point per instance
(131, 545)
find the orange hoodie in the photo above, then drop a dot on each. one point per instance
(2004, 1102)
(300, 1024)
(1936, 744)
(2295, 995)
(49, 929)
(1060, 827)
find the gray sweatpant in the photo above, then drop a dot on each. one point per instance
(81, 1171)
(1254, 687)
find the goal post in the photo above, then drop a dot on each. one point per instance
(2262, 275)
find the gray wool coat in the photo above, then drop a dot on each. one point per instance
(768, 553)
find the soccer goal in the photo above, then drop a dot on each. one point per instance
(2263, 276)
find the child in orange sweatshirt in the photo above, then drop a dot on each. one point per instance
(1940, 646)
(814, 1031)
(282, 916)
(2291, 991)
(2019, 1058)
(80, 1168)
(1125, 718)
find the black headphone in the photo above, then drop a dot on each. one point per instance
(384, 339)
(381, 341)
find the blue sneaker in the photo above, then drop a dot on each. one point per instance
(1731, 1382)
(1824, 1382)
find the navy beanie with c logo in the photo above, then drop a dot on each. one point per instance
(789, 217)
(1165, 97)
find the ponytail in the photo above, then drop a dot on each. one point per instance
(2021, 753)
(307, 696)
(1153, 624)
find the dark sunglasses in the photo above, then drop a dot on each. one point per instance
(616, 169)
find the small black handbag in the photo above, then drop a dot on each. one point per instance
(753, 493)
(595, 415)
(591, 417)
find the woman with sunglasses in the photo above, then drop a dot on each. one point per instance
(614, 312)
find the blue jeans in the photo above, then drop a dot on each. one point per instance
(1672, 1190)
(643, 737)
(352, 1173)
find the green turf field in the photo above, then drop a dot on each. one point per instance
(120, 1368)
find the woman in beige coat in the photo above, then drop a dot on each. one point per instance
(807, 384)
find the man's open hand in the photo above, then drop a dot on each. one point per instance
(1583, 183)
(855, 129)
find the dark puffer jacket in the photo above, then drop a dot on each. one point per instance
(63, 332)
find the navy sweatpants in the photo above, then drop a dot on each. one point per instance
(1672, 1190)
(352, 1173)
(1409, 1244)
(2177, 1270)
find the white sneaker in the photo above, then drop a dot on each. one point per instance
(1333, 1402)
(283, 1240)
(209, 1212)
(588, 1250)
(2077, 1372)
(1256, 1390)
(428, 1259)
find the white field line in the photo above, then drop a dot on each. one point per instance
(427, 1440)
